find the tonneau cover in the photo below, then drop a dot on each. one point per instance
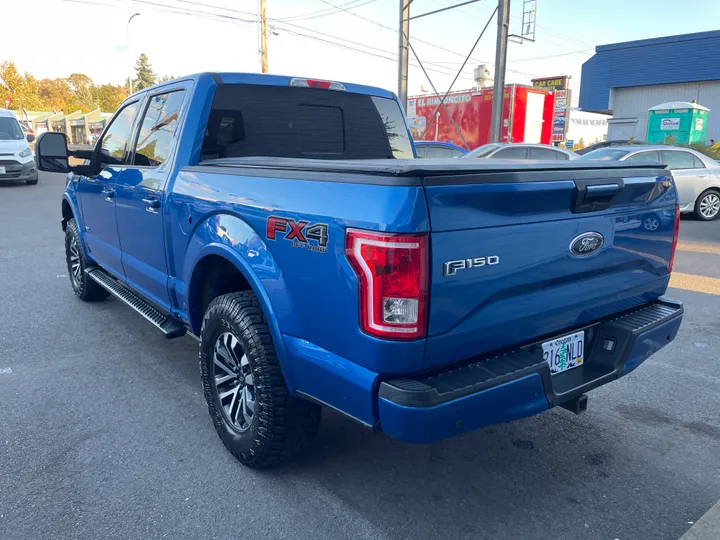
(435, 167)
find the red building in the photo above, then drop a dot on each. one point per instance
(527, 116)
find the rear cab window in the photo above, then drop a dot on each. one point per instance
(292, 122)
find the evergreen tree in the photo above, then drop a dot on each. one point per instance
(144, 75)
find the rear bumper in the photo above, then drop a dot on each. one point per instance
(517, 384)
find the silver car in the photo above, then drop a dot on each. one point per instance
(521, 151)
(697, 176)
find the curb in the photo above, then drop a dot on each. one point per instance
(707, 527)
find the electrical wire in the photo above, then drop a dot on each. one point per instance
(325, 12)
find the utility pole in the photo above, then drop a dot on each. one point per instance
(496, 124)
(403, 56)
(263, 36)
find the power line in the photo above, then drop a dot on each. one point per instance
(548, 56)
(327, 11)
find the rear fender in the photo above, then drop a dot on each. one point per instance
(233, 239)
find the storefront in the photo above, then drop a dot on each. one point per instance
(95, 129)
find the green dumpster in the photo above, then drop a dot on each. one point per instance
(679, 121)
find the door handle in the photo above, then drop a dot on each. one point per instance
(109, 194)
(702, 175)
(151, 203)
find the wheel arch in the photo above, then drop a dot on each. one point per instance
(220, 269)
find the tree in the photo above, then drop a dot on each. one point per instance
(165, 78)
(109, 97)
(144, 75)
(54, 93)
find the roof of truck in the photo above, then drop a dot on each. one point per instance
(264, 79)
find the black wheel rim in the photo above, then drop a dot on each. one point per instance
(74, 261)
(234, 384)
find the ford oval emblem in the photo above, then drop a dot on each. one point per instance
(586, 244)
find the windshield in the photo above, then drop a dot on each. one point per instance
(10, 129)
(482, 151)
(605, 154)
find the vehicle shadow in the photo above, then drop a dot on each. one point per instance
(515, 481)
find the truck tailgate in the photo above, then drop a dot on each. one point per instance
(516, 257)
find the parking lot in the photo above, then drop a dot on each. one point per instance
(104, 432)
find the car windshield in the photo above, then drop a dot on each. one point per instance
(605, 154)
(10, 129)
(482, 151)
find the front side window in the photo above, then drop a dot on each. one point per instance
(158, 129)
(10, 129)
(546, 154)
(678, 160)
(113, 149)
(438, 152)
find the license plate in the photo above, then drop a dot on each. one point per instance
(2, 170)
(565, 352)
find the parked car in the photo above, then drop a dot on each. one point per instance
(697, 176)
(16, 157)
(437, 149)
(521, 151)
(602, 144)
(321, 267)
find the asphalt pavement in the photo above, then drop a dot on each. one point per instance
(104, 432)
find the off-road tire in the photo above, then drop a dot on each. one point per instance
(281, 425)
(84, 287)
(698, 204)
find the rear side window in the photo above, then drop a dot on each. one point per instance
(517, 152)
(158, 129)
(457, 153)
(698, 163)
(278, 121)
(678, 160)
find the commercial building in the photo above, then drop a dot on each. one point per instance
(627, 79)
(80, 128)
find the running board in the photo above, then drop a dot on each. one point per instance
(167, 325)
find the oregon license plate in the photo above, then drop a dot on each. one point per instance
(2, 170)
(565, 352)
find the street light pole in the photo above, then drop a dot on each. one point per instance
(496, 123)
(127, 44)
(403, 53)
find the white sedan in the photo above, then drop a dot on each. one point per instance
(697, 176)
(541, 152)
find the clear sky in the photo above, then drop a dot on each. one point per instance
(53, 38)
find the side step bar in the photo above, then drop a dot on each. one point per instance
(166, 324)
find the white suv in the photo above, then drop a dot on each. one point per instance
(17, 162)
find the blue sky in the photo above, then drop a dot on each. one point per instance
(227, 39)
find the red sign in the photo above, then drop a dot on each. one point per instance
(8, 101)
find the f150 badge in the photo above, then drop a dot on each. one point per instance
(450, 268)
(299, 233)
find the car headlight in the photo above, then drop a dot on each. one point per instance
(26, 152)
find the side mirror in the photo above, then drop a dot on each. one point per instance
(51, 152)
(30, 137)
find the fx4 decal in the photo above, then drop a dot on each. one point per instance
(299, 233)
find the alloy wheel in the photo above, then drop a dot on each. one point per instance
(710, 206)
(651, 223)
(234, 382)
(75, 267)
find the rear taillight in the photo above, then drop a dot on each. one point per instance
(392, 277)
(676, 233)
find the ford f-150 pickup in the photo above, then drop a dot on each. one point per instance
(285, 223)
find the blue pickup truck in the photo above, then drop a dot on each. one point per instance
(286, 224)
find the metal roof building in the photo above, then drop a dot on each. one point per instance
(626, 79)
